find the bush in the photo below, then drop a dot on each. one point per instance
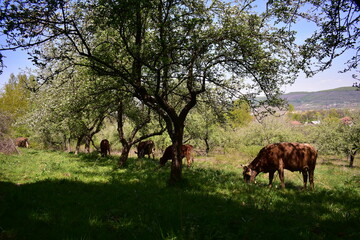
(7, 145)
(271, 130)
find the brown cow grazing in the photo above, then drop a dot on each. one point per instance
(186, 151)
(104, 147)
(280, 156)
(145, 147)
(22, 142)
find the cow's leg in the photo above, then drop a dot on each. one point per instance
(271, 177)
(311, 178)
(188, 160)
(281, 176)
(305, 176)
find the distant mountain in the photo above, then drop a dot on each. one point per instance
(344, 97)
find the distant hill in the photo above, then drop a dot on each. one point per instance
(344, 97)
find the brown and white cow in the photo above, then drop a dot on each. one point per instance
(186, 151)
(22, 142)
(145, 148)
(279, 156)
(104, 147)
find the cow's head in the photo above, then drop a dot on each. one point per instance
(162, 161)
(249, 174)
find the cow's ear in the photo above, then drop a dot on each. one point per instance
(247, 171)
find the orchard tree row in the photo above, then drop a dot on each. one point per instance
(53, 119)
(232, 129)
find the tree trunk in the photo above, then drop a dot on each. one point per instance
(126, 146)
(351, 157)
(176, 164)
(65, 143)
(124, 154)
(78, 143)
(87, 144)
(207, 150)
(68, 144)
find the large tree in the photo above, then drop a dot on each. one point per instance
(180, 49)
(164, 52)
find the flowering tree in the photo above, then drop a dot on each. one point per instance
(334, 136)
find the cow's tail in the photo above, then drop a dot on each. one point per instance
(315, 157)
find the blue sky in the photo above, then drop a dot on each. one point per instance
(16, 62)
(328, 79)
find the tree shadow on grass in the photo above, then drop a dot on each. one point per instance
(74, 210)
(138, 204)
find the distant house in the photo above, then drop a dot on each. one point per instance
(295, 123)
(346, 120)
(313, 122)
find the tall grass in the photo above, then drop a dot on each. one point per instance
(53, 195)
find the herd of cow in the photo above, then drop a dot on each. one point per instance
(273, 157)
(148, 148)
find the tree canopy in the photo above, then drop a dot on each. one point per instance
(14, 97)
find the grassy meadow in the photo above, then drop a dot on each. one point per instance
(56, 195)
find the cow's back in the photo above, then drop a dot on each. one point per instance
(168, 153)
(186, 151)
(149, 147)
(140, 146)
(291, 156)
(300, 156)
(146, 147)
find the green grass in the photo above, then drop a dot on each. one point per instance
(53, 195)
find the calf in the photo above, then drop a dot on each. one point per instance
(186, 151)
(22, 142)
(104, 147)
(146, 147)
(280, 156)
